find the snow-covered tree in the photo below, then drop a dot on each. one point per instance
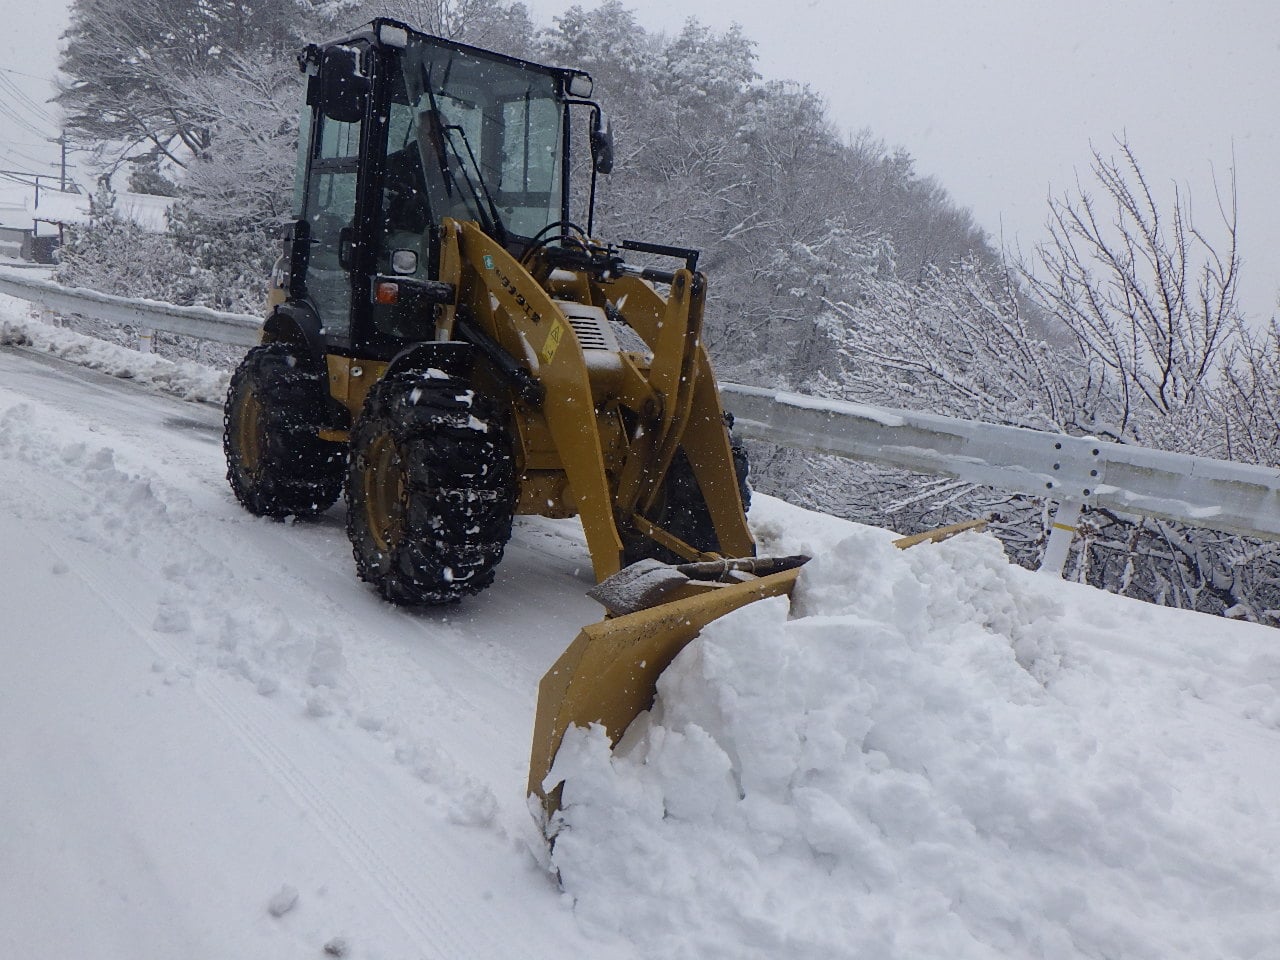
(250, 108)
(113, 254)
(127, 64)
(958, 343)
(1249, 396)
(237, 193)
(1149, 296)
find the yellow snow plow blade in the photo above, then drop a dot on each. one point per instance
(609, 674)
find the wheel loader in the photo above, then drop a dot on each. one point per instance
(447, 345)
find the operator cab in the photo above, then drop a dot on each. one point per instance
(400, 130)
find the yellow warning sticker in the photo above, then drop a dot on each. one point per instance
(552, 343)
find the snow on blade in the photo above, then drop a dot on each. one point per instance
(936, 754)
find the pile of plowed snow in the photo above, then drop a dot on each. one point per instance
(182, 378)
(934, 753)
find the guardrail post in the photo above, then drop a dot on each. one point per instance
(146, 340)
(1061, 533)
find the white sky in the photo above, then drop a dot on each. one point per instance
(997, 99)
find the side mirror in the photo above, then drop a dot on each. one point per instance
(601, 142)
(344, 89)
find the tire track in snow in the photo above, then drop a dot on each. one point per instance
(424, 896)
(470, 662)
(419, 916)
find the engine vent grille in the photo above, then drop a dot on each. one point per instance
(590, 334)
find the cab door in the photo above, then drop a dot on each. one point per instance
(330, 210)
(335, 279)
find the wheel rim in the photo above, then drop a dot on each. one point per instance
(249, 431)
(384, 492)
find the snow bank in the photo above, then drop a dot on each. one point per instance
(182, 378)
(933, 755)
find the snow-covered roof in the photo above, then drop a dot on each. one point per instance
(145, 210)
(18, 207)
(59, 207)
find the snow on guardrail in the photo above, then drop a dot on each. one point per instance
(1221, 495)
(201, 322)
(1217, 494)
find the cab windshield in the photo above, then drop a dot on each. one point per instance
(483, 136)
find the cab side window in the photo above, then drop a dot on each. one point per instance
(330, 206)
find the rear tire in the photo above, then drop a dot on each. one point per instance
(430, 489)
(277, 465)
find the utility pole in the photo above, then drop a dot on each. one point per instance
(35, 222)
(61, 141)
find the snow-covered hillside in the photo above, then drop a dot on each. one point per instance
(216, 742)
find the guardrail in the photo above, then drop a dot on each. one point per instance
(1072, 471)
(146, 315)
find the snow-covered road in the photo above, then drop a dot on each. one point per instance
(199, 709)
(215, 742)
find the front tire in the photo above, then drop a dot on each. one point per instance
(430, 489)
(277, 464)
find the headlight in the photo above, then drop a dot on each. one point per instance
(404, 262)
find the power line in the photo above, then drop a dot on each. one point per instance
(44, 142)
(19, 73)
(25, 124)
(25, 179)
(23, 99)
(7, 110)
(25, 157)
